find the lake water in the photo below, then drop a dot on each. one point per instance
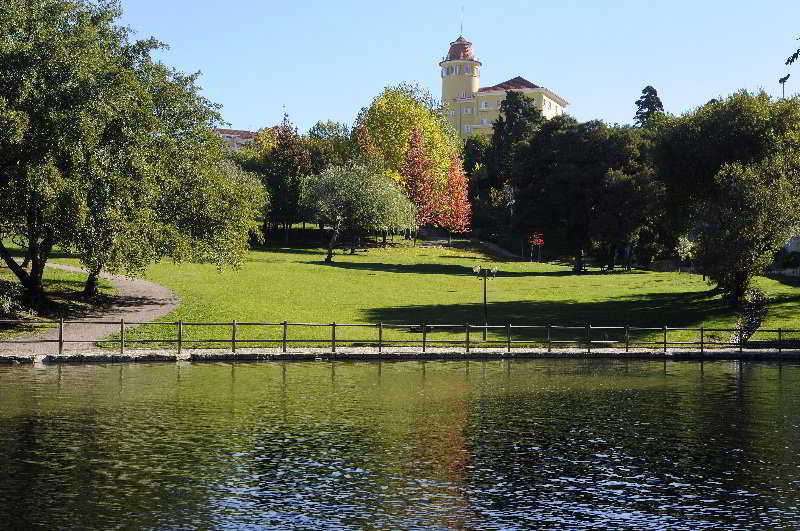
(582, 443)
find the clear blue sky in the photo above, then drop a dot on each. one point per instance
(325, 60)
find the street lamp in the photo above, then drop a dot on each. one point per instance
(485, 274)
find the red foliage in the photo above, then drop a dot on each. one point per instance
(421, 182)
(458, 211)
(536, 238)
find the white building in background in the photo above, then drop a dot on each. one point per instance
(236, 139)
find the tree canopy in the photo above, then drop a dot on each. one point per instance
(647, 105)
(105, 151)
(357, 198)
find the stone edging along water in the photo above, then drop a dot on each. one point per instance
(397, 354)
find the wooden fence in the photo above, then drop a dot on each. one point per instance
(551, 336)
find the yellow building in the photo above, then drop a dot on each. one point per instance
(472, 109)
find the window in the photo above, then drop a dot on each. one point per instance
(460, 69)
(466, 69)
(484, 121)
(444, 72)
(467, 110)
(450, 70)
(464, 94)
(452, 112)
(467, 128)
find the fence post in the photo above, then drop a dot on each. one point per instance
(424, 337)
(122, 337)
(466, 328)
(61, 335)
(180, 337)
(589, 338)
(508, 336)
(285, 335)
(702, 340)
(780, 340)
(627, 337)
(380, 338)
(233, 337)
(333, 337)
(665, 338)
(549, 339)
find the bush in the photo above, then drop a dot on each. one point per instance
(11, 305)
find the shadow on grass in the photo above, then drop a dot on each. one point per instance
(453, 269)
(647, 310)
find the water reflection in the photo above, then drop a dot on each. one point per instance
(480, 444)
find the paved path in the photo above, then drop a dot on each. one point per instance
(136, 300)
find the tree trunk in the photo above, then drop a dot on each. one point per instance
(332, 244)
(578, 267)
(286, 233)
(384, 237)
(90, 287)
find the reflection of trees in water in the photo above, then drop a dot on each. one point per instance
(424, 443)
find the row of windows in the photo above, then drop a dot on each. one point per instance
(468, 127)
(459, 70)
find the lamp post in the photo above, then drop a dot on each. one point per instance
(485, 274)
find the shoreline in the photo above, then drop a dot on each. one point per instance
(395, 354)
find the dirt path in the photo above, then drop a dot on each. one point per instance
(136, 300)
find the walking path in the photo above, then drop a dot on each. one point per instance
(136, 300)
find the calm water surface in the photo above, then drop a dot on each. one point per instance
(403, 445)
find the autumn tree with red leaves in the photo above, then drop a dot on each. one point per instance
(458, 212)
(420, 182)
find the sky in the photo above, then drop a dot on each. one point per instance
(325, 60)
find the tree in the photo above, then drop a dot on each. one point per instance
(98, 144)
(647, 105)
(329, 143)
(754, 211)
(286, 169)
(383, 130)
(421, 184)
(518, 122)
(458, 210)
(690, 150)
(354, 199)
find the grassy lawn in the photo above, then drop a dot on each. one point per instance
(406, 285)
(65, 299)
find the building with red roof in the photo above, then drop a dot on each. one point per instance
(472, 109)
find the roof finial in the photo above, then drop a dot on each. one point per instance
(461, 32)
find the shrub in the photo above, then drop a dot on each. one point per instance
(11, 305)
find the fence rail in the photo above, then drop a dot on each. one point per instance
(588, 336)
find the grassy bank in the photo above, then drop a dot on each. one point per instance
(437, 286)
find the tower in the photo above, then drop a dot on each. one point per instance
(461, 74)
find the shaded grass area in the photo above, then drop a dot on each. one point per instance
(436, 285)
(64, 299)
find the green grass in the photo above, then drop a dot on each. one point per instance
(436, 286)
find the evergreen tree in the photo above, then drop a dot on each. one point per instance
(647, 105)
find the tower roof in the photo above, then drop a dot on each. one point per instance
(460, 50)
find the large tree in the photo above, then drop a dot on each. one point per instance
(104, 149)
(647, 105)
(355, 199)
(754, 211)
